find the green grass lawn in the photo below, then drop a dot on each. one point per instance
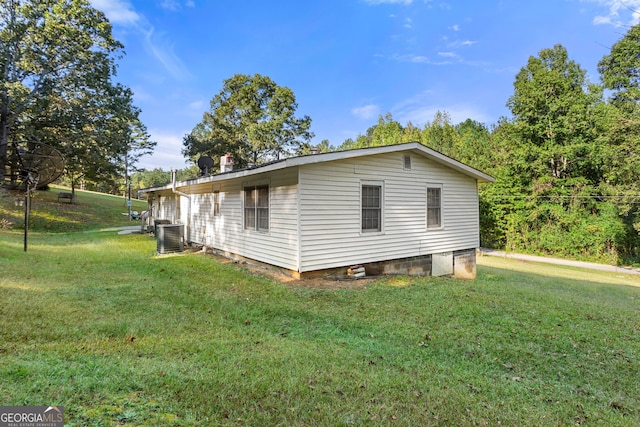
(98, 323)
(92, 210)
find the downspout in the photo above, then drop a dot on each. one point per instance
(188, 196)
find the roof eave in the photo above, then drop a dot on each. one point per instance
(332, 156)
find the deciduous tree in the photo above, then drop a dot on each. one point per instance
(42, 43)
(552, 109)
(252, 118)
(620, 73)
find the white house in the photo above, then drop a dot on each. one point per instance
(393, 209)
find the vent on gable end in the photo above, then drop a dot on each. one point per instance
(407, 162)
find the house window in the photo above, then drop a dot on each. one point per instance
(434, 206)
(371, 208)
(216, 203)
(256, 208)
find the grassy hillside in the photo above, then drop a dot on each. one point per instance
(98, 323)
(92, 210)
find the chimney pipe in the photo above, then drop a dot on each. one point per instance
(226, 163)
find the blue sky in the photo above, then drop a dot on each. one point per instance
(347, 61)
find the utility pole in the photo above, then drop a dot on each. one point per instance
(127, 180)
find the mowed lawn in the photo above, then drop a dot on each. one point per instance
(96, 322)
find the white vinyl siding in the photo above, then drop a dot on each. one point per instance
(315, 212)
(330, 229)
(167, 207)
(226, 232)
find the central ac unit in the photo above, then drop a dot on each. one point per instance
(170, 238)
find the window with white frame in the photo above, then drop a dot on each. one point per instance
(371, 202)
(216, 203)
(434, 206)
(256, 207)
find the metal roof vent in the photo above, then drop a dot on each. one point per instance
(170, 238)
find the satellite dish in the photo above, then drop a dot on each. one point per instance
(37, 165)
(45, 162)
(205, 163)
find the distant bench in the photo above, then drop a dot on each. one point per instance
(65, 196)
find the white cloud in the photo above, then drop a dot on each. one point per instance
(117, 11)
(420, 109)
(417, 59)
(455, 27)
(460, 43)
(366, 112)
(621, 12)
(448, 54)
(166, 154)
(197, 105)
(170, 5)
(140, 94)
(163, 51)
(420, 115)
(602, 20)
(121, 12)
(174, 5)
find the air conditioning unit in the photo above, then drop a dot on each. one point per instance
(170, 238)
(157, 222)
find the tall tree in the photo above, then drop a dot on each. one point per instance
(252, 118)
(440, 134)
(474, 145)
(410, 133)
(387, 132)
(127, 135)
(552, 107)
(99, 132)
(620, 73)
(44, 42)
(553, 174)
